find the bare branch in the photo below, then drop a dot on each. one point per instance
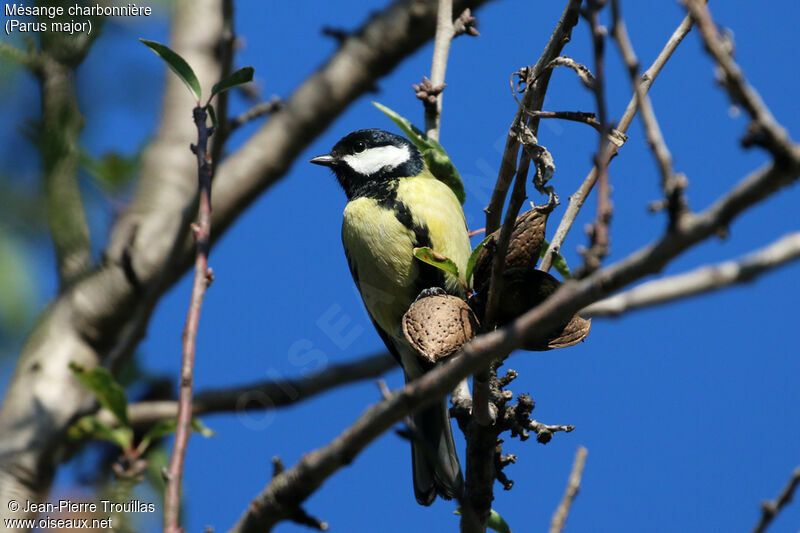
(599, 232)
(579, 197)
(764, 130)
(700, 281)
(769, 510)
(258, 110)
(263, 395)
(573, 486)
(59, 132)
(532, 101)
(673, 186)
(445, 31)
(202, 279)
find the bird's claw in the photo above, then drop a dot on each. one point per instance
(432, 291)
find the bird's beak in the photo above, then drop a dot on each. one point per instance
(326, 160)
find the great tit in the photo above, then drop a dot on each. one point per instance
(395, 204)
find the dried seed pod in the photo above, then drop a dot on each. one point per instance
(574, 332)
(524, 289)
(437, 326)
(524, 246)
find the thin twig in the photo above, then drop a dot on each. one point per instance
(769, 510)
(531, 101)
(260, 396)
(577, 199)
(599, 232)
(202, 279)
(573, 486)
(700, 281)
(441, 50)
(764, 130)
(258, 110)
(673, 185)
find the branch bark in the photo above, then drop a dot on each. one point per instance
(573, 486)
(59, 132)
(263, 395)
(769, 510)
(700, 281)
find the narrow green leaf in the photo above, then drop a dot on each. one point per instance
(109, 393)
(473, 257)
(495, 523)
(162, 428)
(414, 134)
(199, 427)
(559, 263)
(177, 64)
(445, 171)
(213, 115)
(240, 77)
(435, 156)
(427, 255)
(91, 426)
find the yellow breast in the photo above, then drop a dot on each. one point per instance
(380, 246)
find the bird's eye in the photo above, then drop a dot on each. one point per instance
(360, 146)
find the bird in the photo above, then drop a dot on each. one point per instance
(395, 204)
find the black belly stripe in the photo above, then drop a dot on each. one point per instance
(385, 194)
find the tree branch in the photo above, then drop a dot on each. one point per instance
(573, 486)
(59, 132)
(202, 279)
(764, 131)
(262, 395)
(769, 510)
(579, 197)
(673, 186)
(700, 281)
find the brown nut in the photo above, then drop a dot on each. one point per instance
(437, 326)
(524, 246)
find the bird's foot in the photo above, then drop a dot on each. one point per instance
(433, 291)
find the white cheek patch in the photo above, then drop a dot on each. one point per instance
(372, 160)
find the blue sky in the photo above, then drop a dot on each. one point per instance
(688, 410)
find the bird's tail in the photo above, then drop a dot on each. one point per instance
(433, 456)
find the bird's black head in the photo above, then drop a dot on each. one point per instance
(366, 160)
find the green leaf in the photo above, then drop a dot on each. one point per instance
(559, 263)
(91, 426)
(111, 169)
(240, 77)
(177, 64)
(495, 523)
(213, 115)
(473, 257)
(17, 285)
(427, 255)
(436, 158)
(109, 393)
(162, 428)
